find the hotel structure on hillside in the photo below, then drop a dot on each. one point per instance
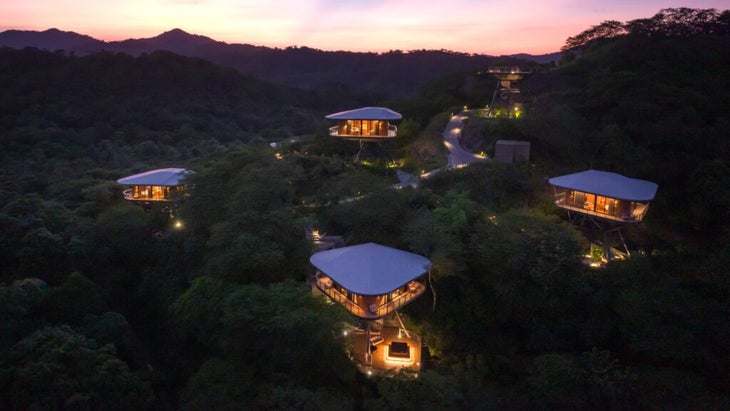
(365, 125)
(163, 186)
(607, 199)
(372, 282)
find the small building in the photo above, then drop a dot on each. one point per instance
(511, 151)
(373, 282)
(164, 185)
(605, 195)
(365, 124)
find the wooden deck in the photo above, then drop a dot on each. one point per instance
(383, 358)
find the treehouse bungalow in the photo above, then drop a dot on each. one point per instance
(604, 195)
(156, 186)
(609, 200)
(365, 124)
(372, 282)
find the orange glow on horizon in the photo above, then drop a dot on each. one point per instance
(468, 26)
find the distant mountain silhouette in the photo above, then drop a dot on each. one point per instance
(539, 58)
(51, 40)
(365, 73)
(176, 41)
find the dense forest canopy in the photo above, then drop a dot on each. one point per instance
(104, 306)
(365, 74)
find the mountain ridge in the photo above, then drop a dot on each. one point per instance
(365, 73)
(55, 39)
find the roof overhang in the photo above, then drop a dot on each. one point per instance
(370, 269)
(607, 184)
(366, 113)
(159, 177)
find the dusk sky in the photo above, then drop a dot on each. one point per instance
(473, 26)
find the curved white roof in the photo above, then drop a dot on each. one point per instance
(366, 113)
(160, 177)
(370, 269)
(607, 184)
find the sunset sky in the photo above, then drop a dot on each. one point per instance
(474, 26)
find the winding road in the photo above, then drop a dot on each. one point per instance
(458, 156)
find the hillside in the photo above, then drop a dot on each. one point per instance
(372, 74)
(106, 306)
(159, 92)
(653, 107)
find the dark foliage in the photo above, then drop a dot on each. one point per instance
(104, 306)
(672, 22)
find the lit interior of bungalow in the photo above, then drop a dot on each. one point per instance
(605, 195)
(373, 282)
(367, 123)
(607, 199)
(164, 185)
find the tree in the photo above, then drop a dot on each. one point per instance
(57, 368)
(17, 305)
(670, 22)
(123, 236)
(574, 382)
(280, 333)
(431, 390)
(258, 247)
(605, 30)
(439, 234)
(298, 398)
(710, 181)
(220, 384)
(71, 301)
(527, 268)
(374, 217)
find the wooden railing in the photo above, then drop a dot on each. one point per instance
(173, 196)
(636, 216)
(324, 284)
(392, 132)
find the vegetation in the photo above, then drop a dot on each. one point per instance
(673, 22)
(104, 306)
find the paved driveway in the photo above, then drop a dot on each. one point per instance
(458, 157)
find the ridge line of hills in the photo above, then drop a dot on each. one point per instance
(180, 41)
(400, 72)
